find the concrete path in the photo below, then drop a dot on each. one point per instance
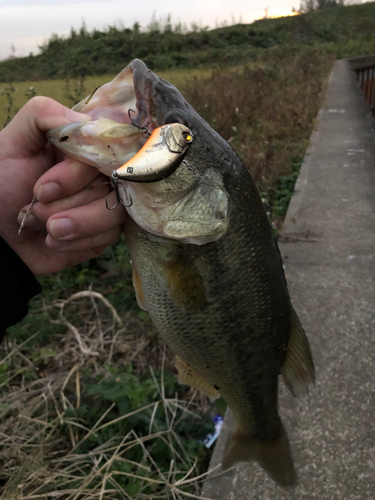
(329, 254)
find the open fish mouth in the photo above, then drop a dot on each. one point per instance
(127, 93)
(121, 111)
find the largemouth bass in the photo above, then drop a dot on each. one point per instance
(206, 265)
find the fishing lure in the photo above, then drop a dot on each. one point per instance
(157, 159)
(160, 156)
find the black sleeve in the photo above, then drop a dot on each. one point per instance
(18, 286)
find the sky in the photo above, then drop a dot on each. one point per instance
(26, 24)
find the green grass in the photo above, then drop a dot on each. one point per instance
(70, 91)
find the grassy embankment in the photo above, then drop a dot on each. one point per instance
(343, 31)
(73, 379)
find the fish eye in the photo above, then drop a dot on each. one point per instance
(176, 116)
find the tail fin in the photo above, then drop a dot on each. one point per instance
(274, 455)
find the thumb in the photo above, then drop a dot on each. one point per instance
(26, 134)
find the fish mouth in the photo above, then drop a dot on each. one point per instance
(126, 99)
(121, 112)
(143, 79)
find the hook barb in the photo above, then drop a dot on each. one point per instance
(142, 128)
(119, 201)
(127, 206)
(110, 208)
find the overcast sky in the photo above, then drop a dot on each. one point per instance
(25, 24)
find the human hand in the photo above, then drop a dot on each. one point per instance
(70, 222)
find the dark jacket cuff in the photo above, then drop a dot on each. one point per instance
(18, 286)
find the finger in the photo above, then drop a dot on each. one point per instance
(64, 179)
(25, 134)
(99, 241)
(41, 212)
(86, 221)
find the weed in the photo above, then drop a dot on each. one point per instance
(9, 108)
(75, 89)
(30, 92)
(283, 192)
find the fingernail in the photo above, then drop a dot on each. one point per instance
(61, 229)
(56, 245)
(48, 192)
(73, 116)
(30, 223)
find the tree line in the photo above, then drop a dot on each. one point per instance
(341, 29)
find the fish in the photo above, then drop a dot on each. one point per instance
(206, 263)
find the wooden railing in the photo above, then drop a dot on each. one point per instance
(364, 68)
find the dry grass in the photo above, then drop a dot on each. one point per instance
(266, 110)
(41, 446)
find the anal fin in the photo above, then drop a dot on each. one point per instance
(188, 376)
(298, 368)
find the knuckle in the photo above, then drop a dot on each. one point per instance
(37, 102)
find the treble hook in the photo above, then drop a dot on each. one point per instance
(118, 197)
(143, 128)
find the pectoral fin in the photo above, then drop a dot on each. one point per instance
(138, 289)
(298, 369)
(184, 281)
(188, 376)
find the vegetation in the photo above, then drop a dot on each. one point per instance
(341, 30)
(309, 5)
(266, 112)
(88, 406)
(82, 415)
